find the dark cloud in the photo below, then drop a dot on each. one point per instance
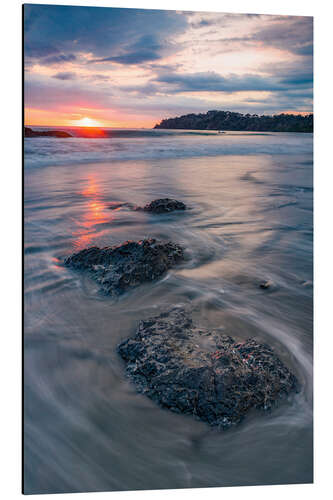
(162, 68)
(38, 50)
(290, 33)
(295, 75)
(292, 87)
(100, 77)
(217, 19)
(297, 79)
(148, 89)
(58, 59)
(132, 57)
(65, 75)
(304, 50)
(213, 82)
(103, 32)
(203, 23)
(146, 48)
(294, 34)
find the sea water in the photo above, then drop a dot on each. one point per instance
(249, 220)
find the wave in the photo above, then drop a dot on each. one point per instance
(152, 145)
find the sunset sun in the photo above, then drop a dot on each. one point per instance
(87, 122)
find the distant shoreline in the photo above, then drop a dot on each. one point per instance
(230, 121)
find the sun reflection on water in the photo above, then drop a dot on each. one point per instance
(92, 132)
(93, 215)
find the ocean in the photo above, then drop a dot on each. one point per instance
(250, 219)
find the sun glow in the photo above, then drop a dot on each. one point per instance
(87, 122)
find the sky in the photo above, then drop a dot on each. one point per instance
(111, 67)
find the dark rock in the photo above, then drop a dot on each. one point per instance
(164, 205)
(28, 132)
(266, 284)
(307, 284)
(116, 205)
(125, 266)
(160, 206)
(203, 373)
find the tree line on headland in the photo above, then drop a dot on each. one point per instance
(228, 120)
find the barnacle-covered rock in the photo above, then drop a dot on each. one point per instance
(203, 373)
(119, 268)
(164, 205)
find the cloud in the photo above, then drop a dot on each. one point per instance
(294, 75)
(146, 48)
(288, 33)
(132, 57)
(206, 19)
(99, 76)
(102, 32)
(59, 59)
(165, 62)
(292, 34)
(51, 94)
(290, 87)
(203, 23)
(38, 50)
(304, 50)
(65, 75)
(148, 89)
(213, 82)
(77, 96)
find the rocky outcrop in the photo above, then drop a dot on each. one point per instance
(125, 266)
(164, 205)
(160, 206)
(28, 132)
(203, 373)
(266, 284)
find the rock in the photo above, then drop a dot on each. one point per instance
(114, 205)
(28, 132)
(161, 206)
(266, 284)
(125, 266)
(307, 284)
(164, 205)
(203, 373)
